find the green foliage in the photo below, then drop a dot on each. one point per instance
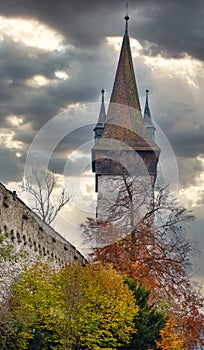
(148, 321)
(36, 302)
(76, 308)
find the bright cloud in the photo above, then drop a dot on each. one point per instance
(187, 68)
(7, 140)
(31, 33)
(14, 120)
(38, 80)
(61, 75)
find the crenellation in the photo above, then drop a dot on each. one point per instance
(27, 231)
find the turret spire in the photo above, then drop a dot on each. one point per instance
(148, 118)
(147, 109)
(101, 119)
(102, 95)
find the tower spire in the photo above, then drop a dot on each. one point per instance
(123, 133)
(123, 146)
(125, 88)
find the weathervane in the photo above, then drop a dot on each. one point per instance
(126, 18)
(127, 9)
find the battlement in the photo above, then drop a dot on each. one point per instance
(27, 231)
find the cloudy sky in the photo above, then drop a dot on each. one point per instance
(56, 56)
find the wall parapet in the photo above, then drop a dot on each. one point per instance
(27, 231)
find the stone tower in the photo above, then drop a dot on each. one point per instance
(125, 149)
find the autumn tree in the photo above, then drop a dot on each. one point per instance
(156, 252)
(35, 303)
(170, 340)
(11, 266)
(75, 308)
(42, 187)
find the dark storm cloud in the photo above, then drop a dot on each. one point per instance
(75, 139)
(184, 130)
(10, 165)
(82, 139)
(68, 167)
(38, 104)
(171, 28)
(174, 26)
(184, 133)
(19, 62)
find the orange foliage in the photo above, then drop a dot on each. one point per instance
(169, 338)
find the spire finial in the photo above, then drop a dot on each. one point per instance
(147, 94)
(102, 95)
(126, 18)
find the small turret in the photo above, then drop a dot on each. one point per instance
(148, 119)
(101, 120)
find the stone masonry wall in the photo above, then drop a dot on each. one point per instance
(28, 231)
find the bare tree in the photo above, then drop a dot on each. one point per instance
(42, 186)
(128, 201)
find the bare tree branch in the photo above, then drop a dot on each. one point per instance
(42, 186)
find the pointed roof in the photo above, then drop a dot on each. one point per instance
(147, 109)
(102, 113)
(147, 114)
(125, 87)
(124, 121)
